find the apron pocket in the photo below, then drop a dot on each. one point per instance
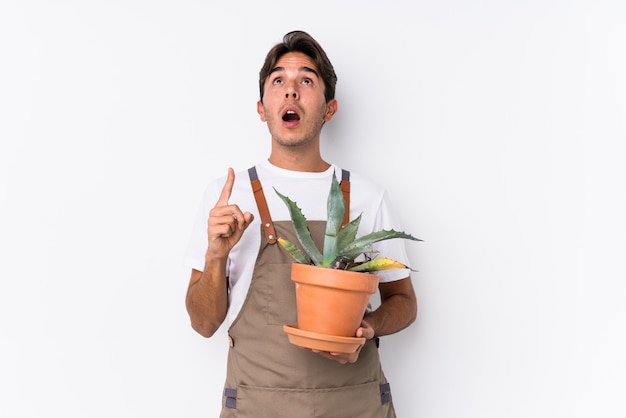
(363, 401)
(279, 295)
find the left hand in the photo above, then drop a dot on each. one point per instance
(365, 330)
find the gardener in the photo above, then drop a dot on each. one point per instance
(243, 277)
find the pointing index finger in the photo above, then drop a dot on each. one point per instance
(227, 189)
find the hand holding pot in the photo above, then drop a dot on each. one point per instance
(364, 331)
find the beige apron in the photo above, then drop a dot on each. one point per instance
(268, 377)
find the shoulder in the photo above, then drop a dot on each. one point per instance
(363, 187)
(363, 180)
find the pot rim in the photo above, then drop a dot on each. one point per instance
(341, 279)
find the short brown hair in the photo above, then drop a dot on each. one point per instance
(299, 41)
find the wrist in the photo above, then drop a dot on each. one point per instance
(215, 261)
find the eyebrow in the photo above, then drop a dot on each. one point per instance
(302, 69)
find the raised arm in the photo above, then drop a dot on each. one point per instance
(207, 294)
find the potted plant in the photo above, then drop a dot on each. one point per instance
(332, 288)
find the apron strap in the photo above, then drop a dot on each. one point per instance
(261, 203)
(264, 212)
(345, 189)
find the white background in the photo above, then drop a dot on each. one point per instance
(497, 127)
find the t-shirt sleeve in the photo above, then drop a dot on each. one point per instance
(392, 248)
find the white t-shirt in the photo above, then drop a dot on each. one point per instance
(310, 192)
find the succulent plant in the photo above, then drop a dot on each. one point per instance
(341, 246)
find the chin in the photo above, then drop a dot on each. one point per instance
(291, 142)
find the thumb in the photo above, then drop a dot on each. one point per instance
(248, 218)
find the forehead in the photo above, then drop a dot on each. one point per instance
(295, 61)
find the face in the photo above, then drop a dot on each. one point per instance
(293, 103)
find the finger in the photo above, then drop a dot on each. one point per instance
(236, 216)
(219, 221)
(242, 220)
(247, 220)
(227, 189)
(222, 227)
(364, 333)
(224, 231)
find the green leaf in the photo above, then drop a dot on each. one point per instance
(302, 230)
(380, 236)
(348, 256)
(347, 234)
(336, 209)
(378, 264)
(363, 245)
(294, 251)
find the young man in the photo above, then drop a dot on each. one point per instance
(242, 276)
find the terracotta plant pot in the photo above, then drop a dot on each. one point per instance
(331, 301)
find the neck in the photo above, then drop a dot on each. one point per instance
(297, 159)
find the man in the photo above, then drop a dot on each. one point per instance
(242, 276)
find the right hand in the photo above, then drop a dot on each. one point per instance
(227, 222)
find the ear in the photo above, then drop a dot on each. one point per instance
(331, 109)
(261, 111)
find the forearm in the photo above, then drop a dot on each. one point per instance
(207, 297)
(397, 311)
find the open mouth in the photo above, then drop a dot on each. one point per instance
(291, 116)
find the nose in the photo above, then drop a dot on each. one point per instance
(291, 92)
